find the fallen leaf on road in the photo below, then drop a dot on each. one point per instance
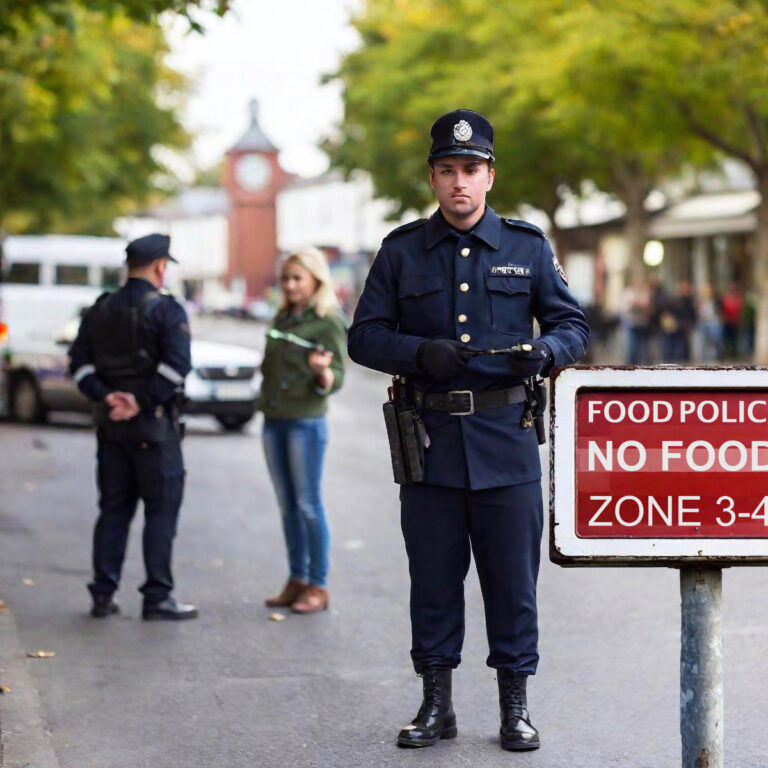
(3, 606)
(40, 444)
(276, 616)
(28, 582)
(5, 689)
(41, 654)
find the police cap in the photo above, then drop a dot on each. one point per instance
(145, 250)
(462, 132)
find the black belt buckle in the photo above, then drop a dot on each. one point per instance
(461, 402)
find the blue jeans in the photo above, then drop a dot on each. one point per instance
(294, 449)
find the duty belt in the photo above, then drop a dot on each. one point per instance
(464, 402)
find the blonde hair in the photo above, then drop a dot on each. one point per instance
(313, 260)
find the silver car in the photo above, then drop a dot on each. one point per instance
(224, 382)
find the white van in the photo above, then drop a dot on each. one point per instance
(46, 282)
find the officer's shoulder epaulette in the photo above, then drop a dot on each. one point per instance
(406, 227)
(519, 224)
(164, 293)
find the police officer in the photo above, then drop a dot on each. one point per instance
(130, 357)
(440, 288)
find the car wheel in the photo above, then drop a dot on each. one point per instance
(233, 423)
(26, 404)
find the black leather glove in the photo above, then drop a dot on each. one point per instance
(533, 357)
(442, 358)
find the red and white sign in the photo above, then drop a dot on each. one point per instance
(659, 464)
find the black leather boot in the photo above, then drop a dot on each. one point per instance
(169, 609)
(104, 606)
(435, 719)
(517, 732)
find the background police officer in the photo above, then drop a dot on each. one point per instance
(463, 279)
(130, 357)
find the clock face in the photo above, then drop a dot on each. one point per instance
(253, 172)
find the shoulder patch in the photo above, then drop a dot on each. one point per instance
(559, 269)
(406, 227)
(519, 224)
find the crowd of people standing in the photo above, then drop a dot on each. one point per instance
(680, 325)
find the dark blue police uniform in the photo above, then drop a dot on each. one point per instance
(139, 459)
(481, 489)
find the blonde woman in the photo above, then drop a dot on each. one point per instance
(303, 365)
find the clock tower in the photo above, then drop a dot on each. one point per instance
(252, 177)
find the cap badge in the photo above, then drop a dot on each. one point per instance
(462, 131)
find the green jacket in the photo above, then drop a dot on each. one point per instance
(289, 389)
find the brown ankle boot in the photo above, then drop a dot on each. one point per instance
(291, 591)
(311, 600)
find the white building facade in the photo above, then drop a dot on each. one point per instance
(334, 212)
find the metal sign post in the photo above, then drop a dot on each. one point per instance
(701, 667)
(666, 467)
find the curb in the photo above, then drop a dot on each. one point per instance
(25, 741)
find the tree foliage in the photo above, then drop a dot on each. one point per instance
(622, 93)
(562, 82)
(65, 11)
(420, 60)
(82, 110)
(710, 62)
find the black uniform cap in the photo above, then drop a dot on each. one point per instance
(147, 249)
(462, 132)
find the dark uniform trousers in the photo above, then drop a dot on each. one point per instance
(504, 527)
(127, 472)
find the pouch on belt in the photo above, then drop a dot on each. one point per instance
(406, 434)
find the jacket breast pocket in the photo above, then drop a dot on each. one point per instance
(423, 304)
(510, 299)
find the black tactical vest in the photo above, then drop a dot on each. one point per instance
(123, 354)
(126, 358)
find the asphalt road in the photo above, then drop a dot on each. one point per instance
(235, 689)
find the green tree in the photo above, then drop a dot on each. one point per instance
(588, 65)
(82, 111)
(561, 82)
(709, 61)
(66, 12)
(418, 61)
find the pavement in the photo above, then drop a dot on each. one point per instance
(237, 689)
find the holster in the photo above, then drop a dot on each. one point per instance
(535, 405)
(406, 434)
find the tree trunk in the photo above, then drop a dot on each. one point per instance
(760, 272)
(635, 235)
(633, 185)
(3, 235)
(559, 241)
